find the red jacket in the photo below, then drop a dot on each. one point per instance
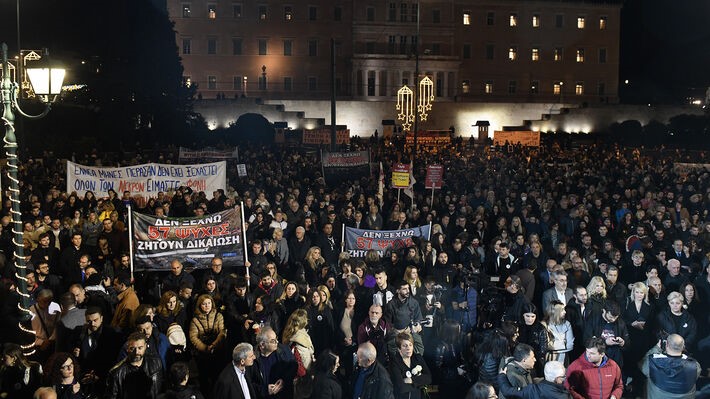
(585, 380)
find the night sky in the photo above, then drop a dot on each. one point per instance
(665, 44)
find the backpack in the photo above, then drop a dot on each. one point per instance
(301, 371)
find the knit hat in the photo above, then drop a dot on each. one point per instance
(176, 336)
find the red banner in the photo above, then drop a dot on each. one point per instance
(434, 177)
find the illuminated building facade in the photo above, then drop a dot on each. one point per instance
(517, 51)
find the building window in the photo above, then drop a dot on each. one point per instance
(212, 11)
(313, 48)
(392, 44)
(557, 53)
(338, 13)
(237, 10)
(236, 83)
(513, 19)
(512, 53)
(580, 55)
(602, 56)
(403, 12)
(535, 54)
(288, 13)
(534, 87)
(312, 13)
(465, 86)
(371, 83)
(559, 20)
(288, 47)
(370, 14)
(536, 21)
(370, 48)
(436, 16)
(436, 49)
(186, 11)
(580, 22)
(415, 12)
(212, 46)
(262, 13)
(288, 84)
(262, 47)
(466, 51)
(557, 88)
(467, 18)
(602, 23)
(490, 18)
(403, 44)
(392, 12)
(490, 51)
(579, 88)
(512, 87)
(601, 89)
(488, 87)
(237, 46)
(186, 46)
(212, 82)
(439, 84)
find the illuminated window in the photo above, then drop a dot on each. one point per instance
(602, 56)
(288, 47)
(467, 18)
(237, 10)
(536, 21)
(534, 87)
(212, 82)
(512, 53)
(187, 81)
(580, 55)
(579, 88)
(262, 13)
(557, 88)
(536, 54)
(186, 46)
(288, 13)
(490, 18)
(602, 23)
(212, 11)
(557, 53)
(465, 86)
(488, 87)
(186, 11)
(513, 19)
(580, 22)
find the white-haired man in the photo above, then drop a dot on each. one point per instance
(551, 387)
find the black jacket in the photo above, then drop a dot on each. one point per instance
(118, 386)
(326, 386)
(543, 389)
(377, 384)
(398, 371)
(227, 385)
(688, 327)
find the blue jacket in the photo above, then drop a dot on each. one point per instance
(670, 377)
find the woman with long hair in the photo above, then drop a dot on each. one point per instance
(560, 329)
(408, 370)
(207, 334)
(290, 299)
(296, 337)
(170, 310)
(19, 377)
(692, 302)
(596, 291)
(325, 383)
(265, 313)
(321, 323)
(62, 372)
(314, 263)
(211, 287)
(411, 277)
(346, 319)
(533, 333)
(495, 346)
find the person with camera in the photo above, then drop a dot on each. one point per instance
(671, 373)
(464, 298)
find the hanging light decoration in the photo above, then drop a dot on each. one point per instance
(426, 97)
(405, 106)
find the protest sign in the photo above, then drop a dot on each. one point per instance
(208, 153)
(524, 138)
(343, 166)
(358, 241)
(434, 177)
(145, 180)
(400, 175)
(193, 241)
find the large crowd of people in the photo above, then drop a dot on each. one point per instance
(549, 272)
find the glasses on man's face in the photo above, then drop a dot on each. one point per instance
(67, 366)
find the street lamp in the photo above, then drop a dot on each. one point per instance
(47, 84)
